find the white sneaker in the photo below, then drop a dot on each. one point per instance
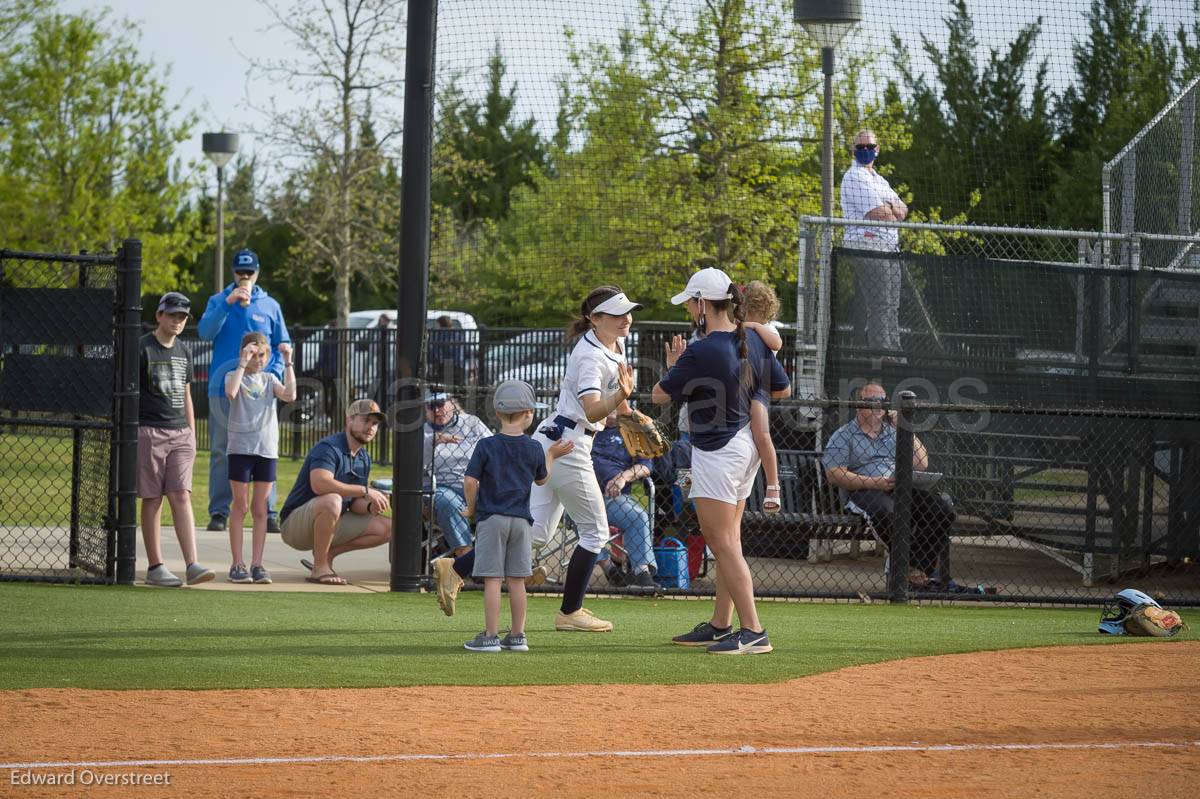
(581, 621)
(162, 576)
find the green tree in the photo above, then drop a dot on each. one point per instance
(344, 55)
(1124, 73)
(86, 154)
(691, 143)
(987, 127)
(500, 150)
(1189, 47)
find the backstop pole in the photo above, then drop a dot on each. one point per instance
(406, 414)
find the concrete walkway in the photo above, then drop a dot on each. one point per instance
(366, 570)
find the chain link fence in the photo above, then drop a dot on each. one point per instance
(1014, 505)
(1152, 186)
(66, 512)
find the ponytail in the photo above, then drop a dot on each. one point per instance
(579, 325)
(583, 323)
(738, 314)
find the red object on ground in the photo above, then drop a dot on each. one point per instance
(695, 547)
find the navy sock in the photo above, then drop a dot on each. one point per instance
(579, 573)
(465, 564)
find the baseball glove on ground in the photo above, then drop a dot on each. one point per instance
(1151, 620)
(642, 436)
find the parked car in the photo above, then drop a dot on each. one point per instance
(320, 351)
(539, 357)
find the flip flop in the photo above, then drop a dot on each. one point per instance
(306, 563)
(329, 578)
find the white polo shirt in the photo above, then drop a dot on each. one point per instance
(591, 369)
(864, 190)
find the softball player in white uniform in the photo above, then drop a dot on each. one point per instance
(597, 382)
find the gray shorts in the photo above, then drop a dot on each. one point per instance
(503, 547)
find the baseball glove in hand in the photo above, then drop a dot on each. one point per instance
(1151, 620)
(642, 436)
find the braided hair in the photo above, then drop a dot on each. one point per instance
(733, 307)
(583, 323)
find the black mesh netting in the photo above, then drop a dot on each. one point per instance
(57, 371)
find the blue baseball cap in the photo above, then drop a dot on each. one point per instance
(245, 261)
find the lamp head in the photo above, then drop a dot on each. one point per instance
(827, 21)
(220, 147)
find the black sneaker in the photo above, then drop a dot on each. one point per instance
(703, 634)
(743, 642)
(217, 523)
(644, 582)
(273, 523)
(617, 577)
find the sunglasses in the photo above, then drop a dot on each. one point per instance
(246, 275)
(875, 400)
(436, 406)
(866, 146)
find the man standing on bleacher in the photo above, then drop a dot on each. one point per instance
(860, 459)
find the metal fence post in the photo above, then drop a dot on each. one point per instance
(902, 497)
(384, 386)
(129, 326)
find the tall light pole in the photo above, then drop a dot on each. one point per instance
(827, 21)
(220, 147)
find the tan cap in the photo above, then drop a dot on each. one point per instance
(365, 407)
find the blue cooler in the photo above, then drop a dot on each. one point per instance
(672, 558)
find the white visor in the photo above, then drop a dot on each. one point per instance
(617, 305)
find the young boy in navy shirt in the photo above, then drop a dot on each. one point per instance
(496, 487)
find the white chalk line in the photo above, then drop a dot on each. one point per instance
(622, 753)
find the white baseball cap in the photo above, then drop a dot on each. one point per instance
(707, 284)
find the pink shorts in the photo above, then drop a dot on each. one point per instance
(165, 458)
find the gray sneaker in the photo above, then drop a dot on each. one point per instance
(484, 643)
(260, 575)
(514, 642)
(238, 573)
(162, 576)
(197, 574)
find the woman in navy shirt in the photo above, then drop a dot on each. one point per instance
(718, 376)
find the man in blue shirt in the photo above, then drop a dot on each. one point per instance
(332, 508)
(617, 471)
(240, 308)
(860, 459)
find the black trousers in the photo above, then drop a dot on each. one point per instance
(932, 516)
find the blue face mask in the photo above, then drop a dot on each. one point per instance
(866, 157)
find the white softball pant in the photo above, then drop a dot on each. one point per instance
(572, 486)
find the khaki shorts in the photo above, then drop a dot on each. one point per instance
(297, 529)
(165, 459)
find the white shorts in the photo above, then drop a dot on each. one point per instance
(726, 474)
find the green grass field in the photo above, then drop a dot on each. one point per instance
(120, 638)
(35, 482)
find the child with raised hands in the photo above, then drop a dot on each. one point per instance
(253, 448)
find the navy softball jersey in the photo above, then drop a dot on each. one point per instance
(706, 378)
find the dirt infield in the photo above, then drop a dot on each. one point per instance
(927, 727)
